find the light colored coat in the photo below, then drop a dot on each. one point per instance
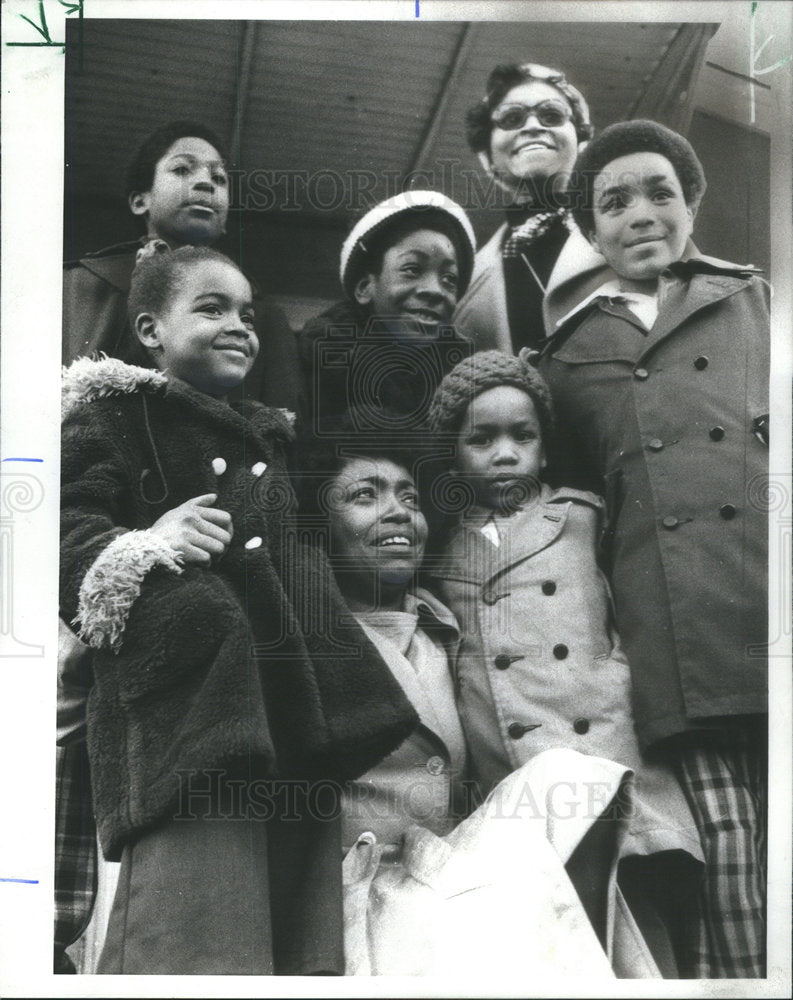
(420, 782)
(540, 666)
(481, 313)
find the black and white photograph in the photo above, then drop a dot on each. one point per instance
(396, 498)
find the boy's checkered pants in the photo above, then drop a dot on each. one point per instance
(725, 779)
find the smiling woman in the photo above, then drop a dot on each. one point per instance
(414, 844)
(377, 530)
(527, 131)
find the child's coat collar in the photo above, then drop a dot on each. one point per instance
(89, 379)
(692, 262)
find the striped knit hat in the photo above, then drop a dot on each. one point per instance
(482, 371)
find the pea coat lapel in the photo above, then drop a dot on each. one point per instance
(473, 558)
(687, 298)
(520, 541)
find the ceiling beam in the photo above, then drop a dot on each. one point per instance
(436, 119)
(669, 93)
(245, 49)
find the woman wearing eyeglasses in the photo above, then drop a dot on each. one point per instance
(526, 131)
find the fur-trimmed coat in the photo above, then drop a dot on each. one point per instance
(203, 668)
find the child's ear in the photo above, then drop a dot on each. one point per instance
(364, 290)
(146, 328)
(139, 202)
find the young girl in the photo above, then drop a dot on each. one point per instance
(209, 674)
(540, 664)
(177, 187)
(389, 342)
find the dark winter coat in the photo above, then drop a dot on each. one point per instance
(95, 290)
(348, 359)
(669, 423)
(203, 668)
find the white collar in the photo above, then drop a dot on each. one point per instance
(639, 302)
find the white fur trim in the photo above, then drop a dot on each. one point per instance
(112, 584)
(288, 415)
(87, 379)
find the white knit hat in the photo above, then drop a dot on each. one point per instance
(354, 249)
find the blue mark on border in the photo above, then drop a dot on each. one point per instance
(26, 881)
(23, 459)
(417, 8)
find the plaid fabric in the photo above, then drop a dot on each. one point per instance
(725, 780)
(522, 236)
(75, 850)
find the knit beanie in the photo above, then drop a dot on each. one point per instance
(486, 370)
(428, 205)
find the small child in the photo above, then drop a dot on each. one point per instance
(660, 380)
(176, 512)
(431, 887)
(539, 664)
(388, 343)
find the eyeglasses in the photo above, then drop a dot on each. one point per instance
(548, 114)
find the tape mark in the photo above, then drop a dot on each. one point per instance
(26, 881)
(23, 459)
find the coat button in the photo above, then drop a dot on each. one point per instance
(253, 543)
(218, 466)
(549, 588)
(655, 444)
(258, 469)
(436, 765)
(516, 730)
(502, 661)
(716, 433)
(728, 511)
(701, 363)
(641, 374)
(581, 726)
(670, 522)
(560, 651)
